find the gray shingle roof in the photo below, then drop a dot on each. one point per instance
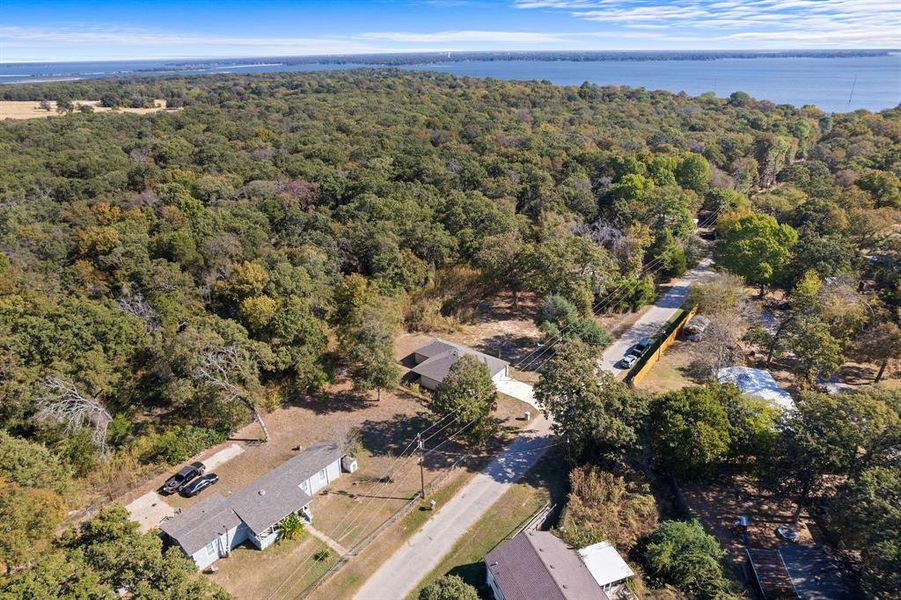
(200, 524)
(280, 495)
(441, 356)
(538, 564)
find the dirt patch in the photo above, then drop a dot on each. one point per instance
(149, 510)
(719, 503)
(20, 110)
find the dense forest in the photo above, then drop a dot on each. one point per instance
(164, 278)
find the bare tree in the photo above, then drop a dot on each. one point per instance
(63, 403)
(718, 348)
(137, 306)
(229, 370)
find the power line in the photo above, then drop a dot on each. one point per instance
(602, 302)
(351, 525)
(387, 475)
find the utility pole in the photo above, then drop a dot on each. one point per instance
(421, 445)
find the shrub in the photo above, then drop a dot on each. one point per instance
(602, 506)
(180, 443)
(449, 587)
(683, 554)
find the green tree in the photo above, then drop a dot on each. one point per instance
(757, 248)
(449, 587)
(371, 358)
(467, 393)
(29, 517)
(693, 173)
(690, 430)
(867, 512)
(880, 344)
(837, 436)
(352, 295)
(812, 343)
(683, 554)
(558, 318)
(33, 465)
(592, 411)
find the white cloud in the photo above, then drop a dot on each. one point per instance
(789, 23)
(438, 37)
(12, 37)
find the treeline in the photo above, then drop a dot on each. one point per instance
(833, 454)
(164, 278)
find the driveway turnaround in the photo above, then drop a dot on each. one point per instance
(652, 320)
(400, 574)
(517, 389)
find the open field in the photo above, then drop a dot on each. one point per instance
(545, 483)
(28, 109)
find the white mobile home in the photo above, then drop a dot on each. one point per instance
(212, 528)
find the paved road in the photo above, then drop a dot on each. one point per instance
(654, 318)
(400, 574)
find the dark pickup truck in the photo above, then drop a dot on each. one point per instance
(182, 478)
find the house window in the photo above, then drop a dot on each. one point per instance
(305, 486)
(323, 476)
(211, 548)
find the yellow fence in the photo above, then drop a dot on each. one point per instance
(662, 341)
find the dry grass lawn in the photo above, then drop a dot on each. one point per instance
(28, 109)
(670, 371)
(354, 505)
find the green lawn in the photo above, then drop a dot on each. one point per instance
(546, 482)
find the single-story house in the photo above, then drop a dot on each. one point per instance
(756, 383)
(434, 360)
(793, 571)
(538, 564)
(212, 528)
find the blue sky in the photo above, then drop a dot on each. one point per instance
(48, 30)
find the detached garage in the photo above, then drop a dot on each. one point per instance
(434, 360)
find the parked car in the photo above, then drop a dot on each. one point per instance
(788, 533)
(627, 361)
(641, 347)
(174, 483)
(198, 485)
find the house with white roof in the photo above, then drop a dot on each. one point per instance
(756, 383)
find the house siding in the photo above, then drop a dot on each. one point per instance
(220, 547)
(494, 587)
(429, 384)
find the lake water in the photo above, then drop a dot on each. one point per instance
(835, 84)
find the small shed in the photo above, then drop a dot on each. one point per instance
(606, 565)
(695, 328)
